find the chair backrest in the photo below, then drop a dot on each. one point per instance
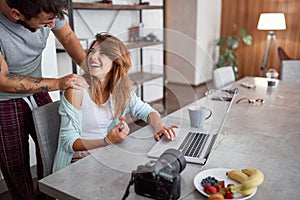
(290, 71)
(282, 54)
(47, 124)
(223, 76)
(289, 68)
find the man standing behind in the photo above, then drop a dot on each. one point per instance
(24, 29)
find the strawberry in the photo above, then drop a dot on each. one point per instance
(228, 195)
(217, 187)
(221, 184)
(206, 188)
(210, 189)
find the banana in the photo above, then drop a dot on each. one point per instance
(247, 191)
(256, 177)
(252, 171)
(237, 175)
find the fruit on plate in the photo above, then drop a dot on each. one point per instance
(210, 189)
(216, 196)
(212, 186)
(237, 175)
(246, 185)
(240, 177)
(209, 181)
(228, 195)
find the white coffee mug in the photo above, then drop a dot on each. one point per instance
(198, 114)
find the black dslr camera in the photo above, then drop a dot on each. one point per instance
(160, 179)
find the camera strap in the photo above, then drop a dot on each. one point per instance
(128, 187)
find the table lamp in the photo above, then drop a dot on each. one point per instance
(270, 22)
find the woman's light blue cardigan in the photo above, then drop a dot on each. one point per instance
(71, 126)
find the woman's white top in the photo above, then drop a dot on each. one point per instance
(95, 120)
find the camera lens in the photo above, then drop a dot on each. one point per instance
(173, 159)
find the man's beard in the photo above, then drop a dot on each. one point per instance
(26, 26)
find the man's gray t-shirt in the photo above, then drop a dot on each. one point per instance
(22, 49)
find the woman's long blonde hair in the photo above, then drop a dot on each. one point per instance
(119, 84)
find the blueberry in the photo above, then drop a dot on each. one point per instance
(209, 181)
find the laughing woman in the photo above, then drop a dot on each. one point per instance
(93, 117)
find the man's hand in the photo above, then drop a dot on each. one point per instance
(72, 81)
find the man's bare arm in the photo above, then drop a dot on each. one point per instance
(28, 84)
(13, 83)
(70, 42)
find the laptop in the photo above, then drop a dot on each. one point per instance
(195, 144)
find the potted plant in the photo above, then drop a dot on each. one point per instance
(228, 46)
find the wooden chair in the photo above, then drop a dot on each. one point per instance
(47, 124)
(223, 77)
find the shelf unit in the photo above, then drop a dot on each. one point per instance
(140, 77)
(105, 6)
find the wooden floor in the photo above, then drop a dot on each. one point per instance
(177, 96)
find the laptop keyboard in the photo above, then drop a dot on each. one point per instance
(194, 143)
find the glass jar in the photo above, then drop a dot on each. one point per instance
(272, 76)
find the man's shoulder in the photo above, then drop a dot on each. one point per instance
(59, 23)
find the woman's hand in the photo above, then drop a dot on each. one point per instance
(169, 132)
(118, 133)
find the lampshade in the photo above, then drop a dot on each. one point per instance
(271, 21)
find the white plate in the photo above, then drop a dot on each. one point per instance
(219, 174)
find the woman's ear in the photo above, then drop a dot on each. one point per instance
(16, 15)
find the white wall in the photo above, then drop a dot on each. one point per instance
(208, 32)
(193, 29)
